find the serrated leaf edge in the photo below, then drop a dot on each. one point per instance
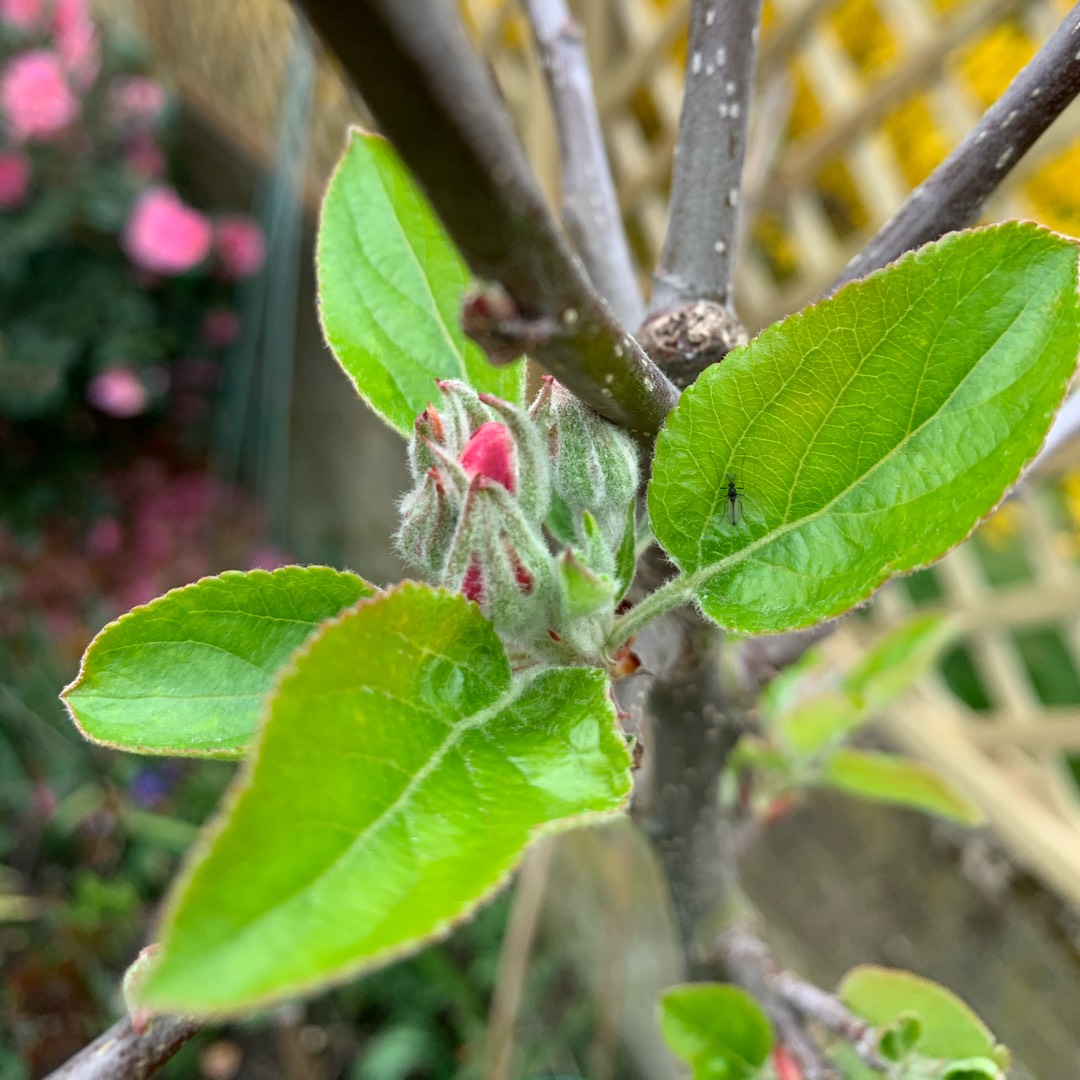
(178, 751)
(445, 927)
(691, 582)
(358, 132)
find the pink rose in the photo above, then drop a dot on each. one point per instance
(23, 14)
(14, 179)
(240, 247)
(118, 392)
(166, 236)
(135, 100)
(35, 97)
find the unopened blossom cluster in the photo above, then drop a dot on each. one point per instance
(527, 512)
(63, 100)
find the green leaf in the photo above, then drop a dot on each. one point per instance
(390, 287)
(973, 1069)
(871, 432)
(950, 1028)
(626, 555)
(898, 781)
(187, 673)
(752, 752)
(896, 660)
(789, 685)
(720, 1030)
(584, 592)
(818, 722)
(399, 775)
(899, 1038)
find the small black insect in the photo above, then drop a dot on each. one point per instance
(733, 493)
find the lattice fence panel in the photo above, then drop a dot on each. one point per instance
(1011, 754)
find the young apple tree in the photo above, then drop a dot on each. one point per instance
(403, 746)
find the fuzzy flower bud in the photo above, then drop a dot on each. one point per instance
(490, 452)
(428, 430)
(429, 519)
(500, 560)
(533, 473)
(484, 436)
(462, 411)
(475, 518)
(594, 463)
(447, 424)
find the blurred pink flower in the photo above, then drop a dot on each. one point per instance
(145, 159)
(14, 179)
(118, 392)
(77, 41)
(35, 97)
(240, 246)
(68, 13)
(136, 100)
(165, 235)
(195, 373)
(106, 537)
(24, 14)
(267, 557)
(220, 327)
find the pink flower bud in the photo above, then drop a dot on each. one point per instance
(14, 179)
(164, 235)
(472, 585)
(785, 1065)
(490, 453)
(428, 521)
(428, 430)
(499, 559)
(462, 412)
(35, 97)
(239, 246)
(526, 581)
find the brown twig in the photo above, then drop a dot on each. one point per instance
(590, 208)
(126, 1053)
(792, 1002)
(953, 195)
(693, 728)
(432, 96)
(699, 249)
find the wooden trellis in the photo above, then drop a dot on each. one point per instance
(1010, 758)
(814, 193)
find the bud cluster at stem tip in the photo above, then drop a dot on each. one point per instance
(524, 512)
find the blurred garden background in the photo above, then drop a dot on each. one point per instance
(168, 410)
